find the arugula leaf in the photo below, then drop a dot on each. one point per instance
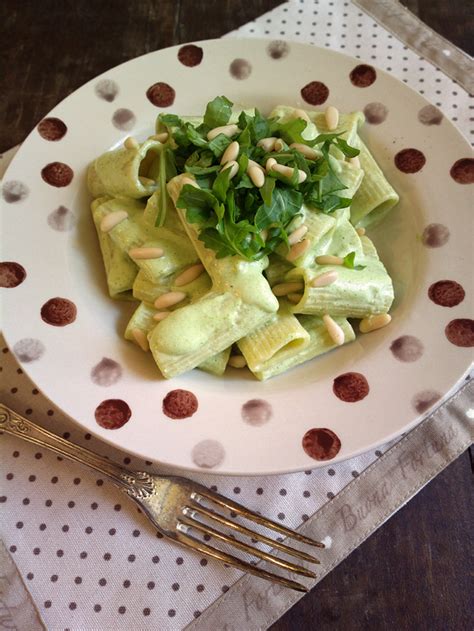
(330, 203)
(291, 131)
(245, 182)
(194, 136)
(285, 204)
(347, 150)
(218, 112)
(213, 240)
(219, 144)
(221, 184)
(266, 190)
(197, 170)
(199, 204)
(170, 120)
(349, 262)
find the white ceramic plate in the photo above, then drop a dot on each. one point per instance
(48, 232)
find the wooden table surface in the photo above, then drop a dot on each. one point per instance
(413, 573)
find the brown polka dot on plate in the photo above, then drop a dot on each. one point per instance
(460, 332)
(462, 171)
(240, 69)
(14, 191)
(208, 454)
(58, 312)
(315, 93)
(180, 404)
(106, 372)
(278, 49)
(190, 55)
(256, 412)
(61, 219)
(57, 174)
(112, 413)
(11, 274)
(446, 293)
(124, 119)
(424, 400)
(351, 387)
(407, 348)
(363, 75)
(28, 349)
(321, 443)
(430, 115)
(52, 129)
(435, 235)
(106, 89)
(410, 160)
(375, 113)
(161, 94)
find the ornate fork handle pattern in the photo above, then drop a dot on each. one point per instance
(137, 484)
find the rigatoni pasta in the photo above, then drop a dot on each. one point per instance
(240, 236)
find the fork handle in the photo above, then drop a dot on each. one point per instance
(16, 425)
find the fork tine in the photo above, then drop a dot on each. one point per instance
(249, 514)
(193, 543)
(201, 510)
(261, 554)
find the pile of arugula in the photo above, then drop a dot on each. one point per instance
(231, 213)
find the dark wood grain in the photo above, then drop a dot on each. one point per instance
(453, 20)
(49, 48)
(412, 573)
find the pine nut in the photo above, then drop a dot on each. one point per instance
(334, 330)
(252, 163)
(355, 162)
(231, 153)
(328, 259)
(287, 288)
(332, 117)
(308, 152)
(270, 164)
(163, 137)
(161, 315)
(297, 234)
(298, 249)
(301, 176)
(146, 181)
(169, 299)
(112, 219)
(279, 145)
(141, 339)
(301, 114)
(227, 130)
(233, 166)
(145, 253)
(294, 298)
(130, 143)
(189, 275)
(372, 323)
(283, 170)
(288, 172)
(267, 144)
(323, 280)
(237, 361)
(360, 231)
(256, 175)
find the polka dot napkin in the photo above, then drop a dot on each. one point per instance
(89, 559)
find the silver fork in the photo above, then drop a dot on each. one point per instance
(176, 506)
